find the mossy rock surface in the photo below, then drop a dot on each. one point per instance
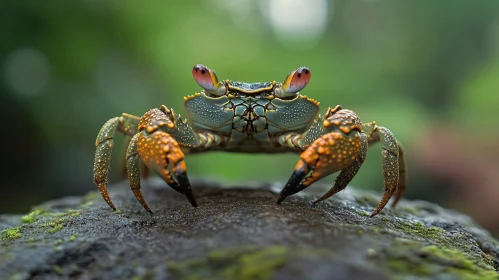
(238, 232)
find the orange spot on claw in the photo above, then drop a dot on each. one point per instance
(345, 129)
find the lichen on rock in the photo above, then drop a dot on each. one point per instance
(238, 232)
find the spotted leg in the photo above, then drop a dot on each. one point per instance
(403, 176)
(133, 171)
(126, 124)
(144, 171)
(335, 150)
(393, 161)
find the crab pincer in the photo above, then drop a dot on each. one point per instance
(332, 152)
(159, 151)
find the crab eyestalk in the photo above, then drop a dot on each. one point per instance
(207, 79)
(294, 82)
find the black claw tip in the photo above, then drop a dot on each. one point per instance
(280, 198)
(192, 199)
(293, 186)
(185, 185)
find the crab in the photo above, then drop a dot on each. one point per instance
(262, 117)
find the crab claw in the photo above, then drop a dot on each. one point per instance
(330, 153)
(185, 185)
(159, 150)
(294, 183)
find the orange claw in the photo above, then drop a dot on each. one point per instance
(158, 150)
(330, 153)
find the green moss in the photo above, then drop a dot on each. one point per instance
(144, 276)
(412, 210)
(470, 275)
(445, 244)
(58, 269)
(87, 204)
(362, 213)
(241, 263)
(55, 226)
(53, 221)
(74, 213)
(457, 258)
(406, 267)
(28, 219)
(40, 213)
(433, 261)
(418, 229)
(17, 276)
(36, 214)
(73, 237)
(11, 233)
(258, 265)
(58, 215)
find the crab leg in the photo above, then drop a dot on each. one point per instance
(123, 169)
(394, 163)
(126, 124)
(133, 171)
(390, 148)
(346, 175)
(403, 176)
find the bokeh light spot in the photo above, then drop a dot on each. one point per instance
(27, 71)
(298, 24)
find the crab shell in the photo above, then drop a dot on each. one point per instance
(250, 115)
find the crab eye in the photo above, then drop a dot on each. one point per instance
(297, 80)
(207, 79)
(293, 83)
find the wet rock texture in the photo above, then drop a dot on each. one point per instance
(238, 232)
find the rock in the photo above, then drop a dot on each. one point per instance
(238, 232)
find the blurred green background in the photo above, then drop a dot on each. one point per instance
(428, 70)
